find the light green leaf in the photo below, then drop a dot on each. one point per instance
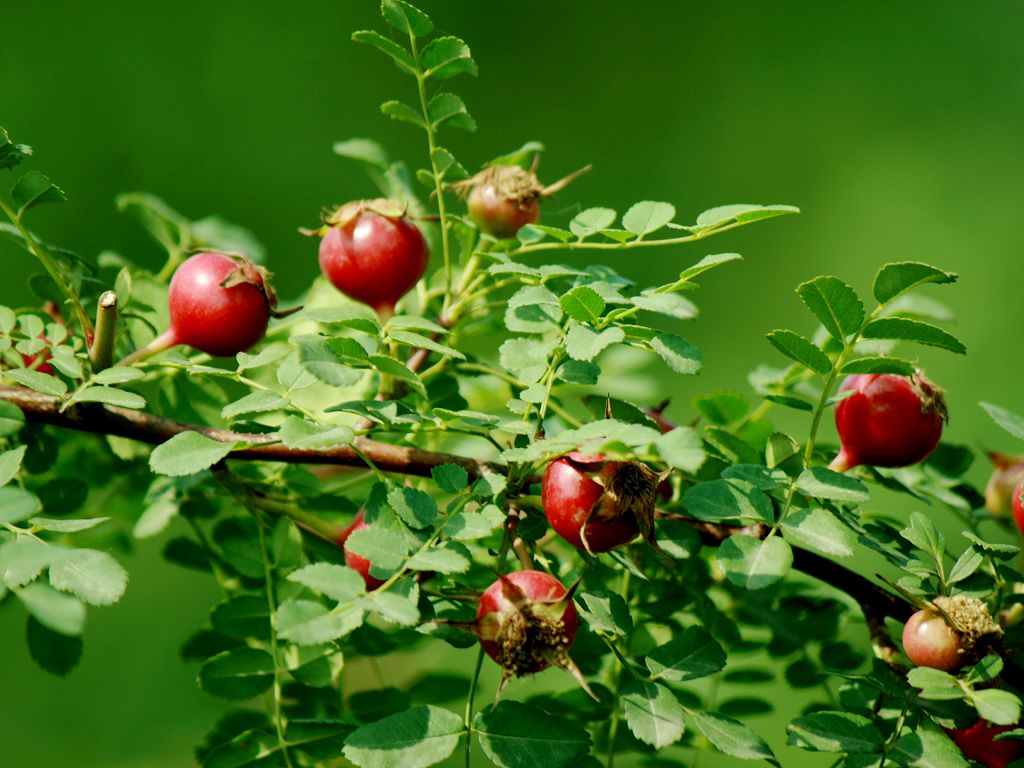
(109, 396)
(406, 18)
(583, 343)
(187, 453)
(61, 613)
(681, 448)
(592, 220)
(680, 355)
(652, 712)
(707, 263)
(398, 54)
(449, 558)
(448, 109)
(11, 419)
(450, 477)
(648, 216)
(670, 304)
(402, 112)
(92, 576)
(260, 401)
(1008, 420)
(419, 341)
(583, 304)
(752, 563)
(40, 382)
(299, 434)
(17, 504)
(743, 213)
(10, 463)
(120, 374)
(416, 738)
(820, 530)
(310, 623)
(338, 582)
(445, 57)
(823, 483)
(732, 737)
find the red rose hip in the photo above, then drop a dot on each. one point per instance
(1017, 505)
(373, 253)
(888, 421)
(978, 743)
(358, 564)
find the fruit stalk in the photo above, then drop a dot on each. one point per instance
(102, 351)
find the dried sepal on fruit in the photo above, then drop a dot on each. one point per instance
(597, 504)
(952, 632)
(526, 622)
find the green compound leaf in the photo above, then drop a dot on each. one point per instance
(895, 279)
(187, 453)
(389, 47)
(834, 303)
(416, 738)
(515, 735)
(904, 329)
(34, 189)
(835, 732)
(731, 737)
(652, 712)
(648, 216)
(240, 673)
(445, 57)
(689, 656)
(751, 563)
(406, 18)
(801, 349)
(583, 304)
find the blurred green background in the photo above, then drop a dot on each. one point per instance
(896, 127)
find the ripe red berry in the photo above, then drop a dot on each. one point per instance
(373, 253)
(930, 642)
(596, 504)
(358, 564)
(1017, 505)
(978, 743)
(889, 421)
(526, 622)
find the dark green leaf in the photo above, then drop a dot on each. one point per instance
(56, 653)
(718, 500)
(835, 732)
(398, 110)
(406, 18)
(834, 303)
(33, 189)
(820, 530)
(241, 673)
(10, 153)
(398, 54)
(904, 329)
(731, 737)
(606, 612)
(514, 735)
(1008, 420)
(450, 477)
(445, 57)
(688, 656)
(795, 346)
(879, 365)
(11, 419)
(448, 109)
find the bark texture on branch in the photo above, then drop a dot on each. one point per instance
(148, 428)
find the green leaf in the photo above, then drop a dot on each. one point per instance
(688, 656)
(55, 610)
(515, 735)
(92, 576)
(648, 216)
(109, 396)
(354, 316)
(119, 375)
(17, 504)
(904, 329)
(40, 382)
(299, 434)
(10, 153)
(820, 530)
(591, 221)
(583, 343)
(10, 463)
(879, 365)
(66, 526)
(445, 57)
(156, 517)
(927, 746)
(447, 109)
(402, 112)
(415, 507)
(11, 419)
(525, 357)
(385, 549)
(894, 279)
(23, 559)
(398, 54)
(732, 737)
(398, 369)
(242, 616)
(719, 500)
(823, 483)
(583, 304)
(310, 623)
(450, 477)
(707, 263)
(682, 449)
(751, 563)
(680, 355)
(996, 706)
(834, 303)
(652, 712)
(416, 738)
(606, 612)
(338, 582)
(260, 401)
(186, 454)
(399, 604)
(742, 213)
(670, 304)
(1008, 420)
(835, 732)
(168, 227)
(33, 189)
(56, 653)
(420, 341)
(473, 525)
(799, 348)
(406, 18)
(449, 558)
(241, 673)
